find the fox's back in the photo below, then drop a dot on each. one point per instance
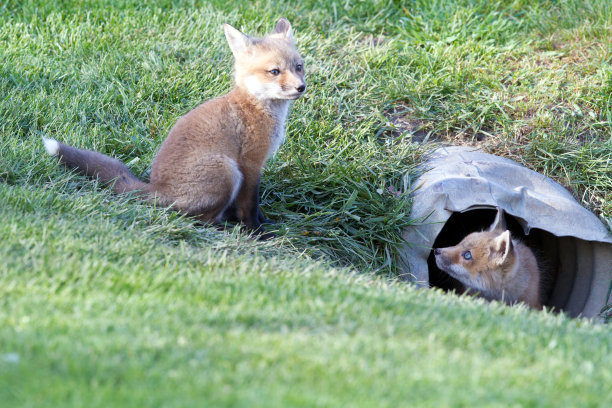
(207, 129)
(528, 276)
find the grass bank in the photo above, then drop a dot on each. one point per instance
(109, 302)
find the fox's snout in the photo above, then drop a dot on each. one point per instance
(293, 85)
(442, 260)
(440, 254)
(291, 81)
(300, 89)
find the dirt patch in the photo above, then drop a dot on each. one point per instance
(469, 136)
(403, 123)
(372, 40)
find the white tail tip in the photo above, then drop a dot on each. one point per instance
(51, 146)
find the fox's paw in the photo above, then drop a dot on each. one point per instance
(261, 234)
(264, 236)
(263, 220)
(268, 221)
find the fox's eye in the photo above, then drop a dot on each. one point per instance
(298, 68)
(467, 255)
(274, 71)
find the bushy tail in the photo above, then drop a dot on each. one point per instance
(106, 169)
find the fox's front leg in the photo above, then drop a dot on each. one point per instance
(230, 213)
(260, 215)
(247, 204)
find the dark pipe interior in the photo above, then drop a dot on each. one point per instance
(543, 244)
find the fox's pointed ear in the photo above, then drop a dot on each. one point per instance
(500, 222)
(502, 247)
(283, 29)
(237, 41)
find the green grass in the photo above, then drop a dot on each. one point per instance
(108, 302)
(106, 314)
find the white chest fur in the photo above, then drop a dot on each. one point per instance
(268, 94)
(279, 111)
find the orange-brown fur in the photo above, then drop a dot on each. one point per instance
(499, 268)
(210, 164)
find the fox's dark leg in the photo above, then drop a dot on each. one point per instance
(247, 203)
(260, 216)
(231, 215)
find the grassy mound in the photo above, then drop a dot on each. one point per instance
(110, 302)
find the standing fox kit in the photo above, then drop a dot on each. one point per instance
(210, 164)
(495, 265)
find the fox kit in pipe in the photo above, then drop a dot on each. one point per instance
(494, 265)
(210, 164)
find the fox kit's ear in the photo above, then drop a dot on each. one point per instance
(502, 247)
(283, 29)
(500, 223)
(237, 41)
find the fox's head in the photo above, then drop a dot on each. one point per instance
(270, 68)
(481, 260)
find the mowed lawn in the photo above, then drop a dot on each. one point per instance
(105, 301)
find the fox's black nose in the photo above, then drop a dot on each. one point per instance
(436, 251)
(301, 88)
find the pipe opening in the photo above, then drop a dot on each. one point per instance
(573, 247)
